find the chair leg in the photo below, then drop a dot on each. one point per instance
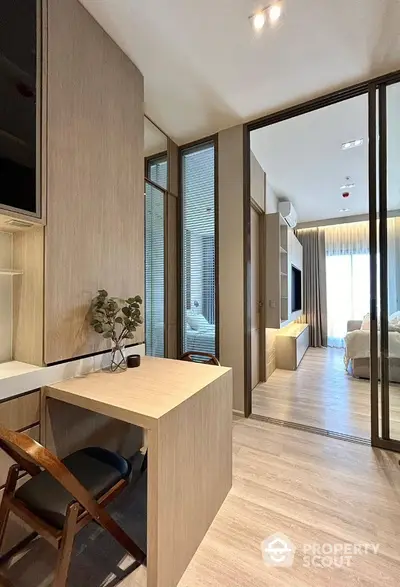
(109, 524)
(9, 490)
(66, 544)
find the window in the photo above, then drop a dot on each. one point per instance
(199, 251)
(154, 270)
(347, 281)
(157, 170)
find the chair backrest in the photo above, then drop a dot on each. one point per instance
(203, 357)
(33, 457)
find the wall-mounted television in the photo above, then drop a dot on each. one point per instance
(296, 289)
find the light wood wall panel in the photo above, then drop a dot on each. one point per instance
(6, 461)
(95, 205)
(6, 289)
(231, 258)
(28, 293)
(21, 412)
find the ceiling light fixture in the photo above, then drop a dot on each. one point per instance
(352, 144)
(274, 13)
(347, 186)
(258, 21)
(270, 15)
(344, 210)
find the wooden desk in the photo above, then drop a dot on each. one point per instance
(186, 409)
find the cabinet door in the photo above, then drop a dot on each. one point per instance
(95, 211)
(19, 106)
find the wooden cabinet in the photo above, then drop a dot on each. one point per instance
(291, 345)
(95, 220)
(277, 268)
(19, 108)
(91, 149)
(283, 253)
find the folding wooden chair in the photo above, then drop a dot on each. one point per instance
(206, 358)
(63, 496)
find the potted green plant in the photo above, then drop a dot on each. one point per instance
(116, 319)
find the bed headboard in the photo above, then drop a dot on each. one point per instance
(353, 325)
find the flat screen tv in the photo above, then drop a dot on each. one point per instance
(296, 289)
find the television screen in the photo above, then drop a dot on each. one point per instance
(296, 289)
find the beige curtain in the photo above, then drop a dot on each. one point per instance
(314, 284)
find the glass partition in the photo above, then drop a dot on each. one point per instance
(154, 270)
(199, 250)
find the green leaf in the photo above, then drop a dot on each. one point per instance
(119, 320)
(126, 311)
(108, 334)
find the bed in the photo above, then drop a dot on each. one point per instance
(357, 351)
(200, 334)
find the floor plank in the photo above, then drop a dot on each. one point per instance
(323, 395)
(312, 488)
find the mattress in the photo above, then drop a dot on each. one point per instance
(358, 345)
(201, 340)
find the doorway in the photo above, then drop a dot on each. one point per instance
(257, 322)
(378, 372)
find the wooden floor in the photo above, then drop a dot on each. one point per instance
(322, 394)
(314, 489)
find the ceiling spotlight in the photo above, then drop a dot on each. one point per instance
(271, 14)
(274, 13)
(258, 21)
(344, 210)
(352, 144)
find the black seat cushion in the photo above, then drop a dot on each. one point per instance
(96, 468)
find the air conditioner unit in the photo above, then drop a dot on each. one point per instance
(288, 213)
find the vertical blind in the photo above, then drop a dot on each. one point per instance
(199, 252)
(154, 270)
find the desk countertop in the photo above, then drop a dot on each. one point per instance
(141, 395)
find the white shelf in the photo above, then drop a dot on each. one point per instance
(11, 272)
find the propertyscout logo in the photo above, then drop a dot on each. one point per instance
(278, 551)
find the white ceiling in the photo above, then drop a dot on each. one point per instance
(304, 162)
(205, 69)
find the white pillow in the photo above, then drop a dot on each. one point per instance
(196, 321)
(366, 323)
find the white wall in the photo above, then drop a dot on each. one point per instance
(257, 182)
(270, 198)
(6, 303)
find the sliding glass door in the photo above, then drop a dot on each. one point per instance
(385, 265)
